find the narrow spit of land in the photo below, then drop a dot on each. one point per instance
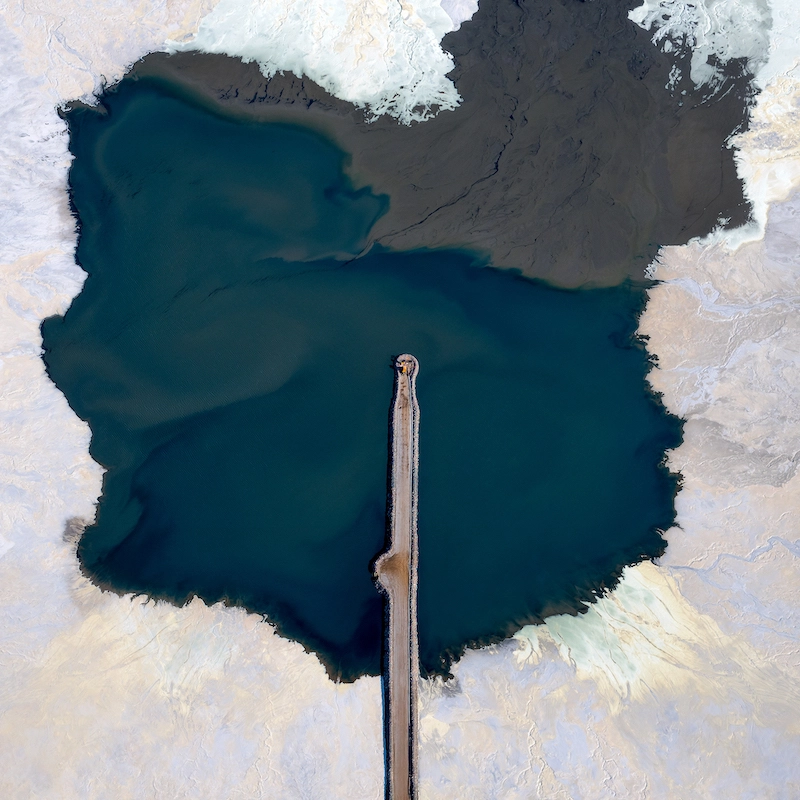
(396, 571)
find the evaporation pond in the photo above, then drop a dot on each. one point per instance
(233, 358)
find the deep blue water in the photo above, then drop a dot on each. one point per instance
(232, 355)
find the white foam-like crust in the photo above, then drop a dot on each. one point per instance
(681, 683)
(460, 10)
(382, 55)
(764, 34)
(714, 32)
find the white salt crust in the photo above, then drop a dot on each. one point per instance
(381, 55)
(681, 683)
(713, 32)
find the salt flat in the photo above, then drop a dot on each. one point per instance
(680, 683)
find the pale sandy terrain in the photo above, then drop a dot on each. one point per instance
(682, 683)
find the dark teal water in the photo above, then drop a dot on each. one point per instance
(233, 360)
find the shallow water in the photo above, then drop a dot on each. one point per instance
(233, 359)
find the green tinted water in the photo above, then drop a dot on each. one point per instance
(234, 363)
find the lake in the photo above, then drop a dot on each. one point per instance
(232, 352)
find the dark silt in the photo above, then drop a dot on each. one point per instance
(232, 351)
(568, 159)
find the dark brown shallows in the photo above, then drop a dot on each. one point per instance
(571, 158)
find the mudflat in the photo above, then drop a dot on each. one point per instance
(572, 157)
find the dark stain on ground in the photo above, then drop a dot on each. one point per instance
(568, 158)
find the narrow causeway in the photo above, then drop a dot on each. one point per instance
(396, 572)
